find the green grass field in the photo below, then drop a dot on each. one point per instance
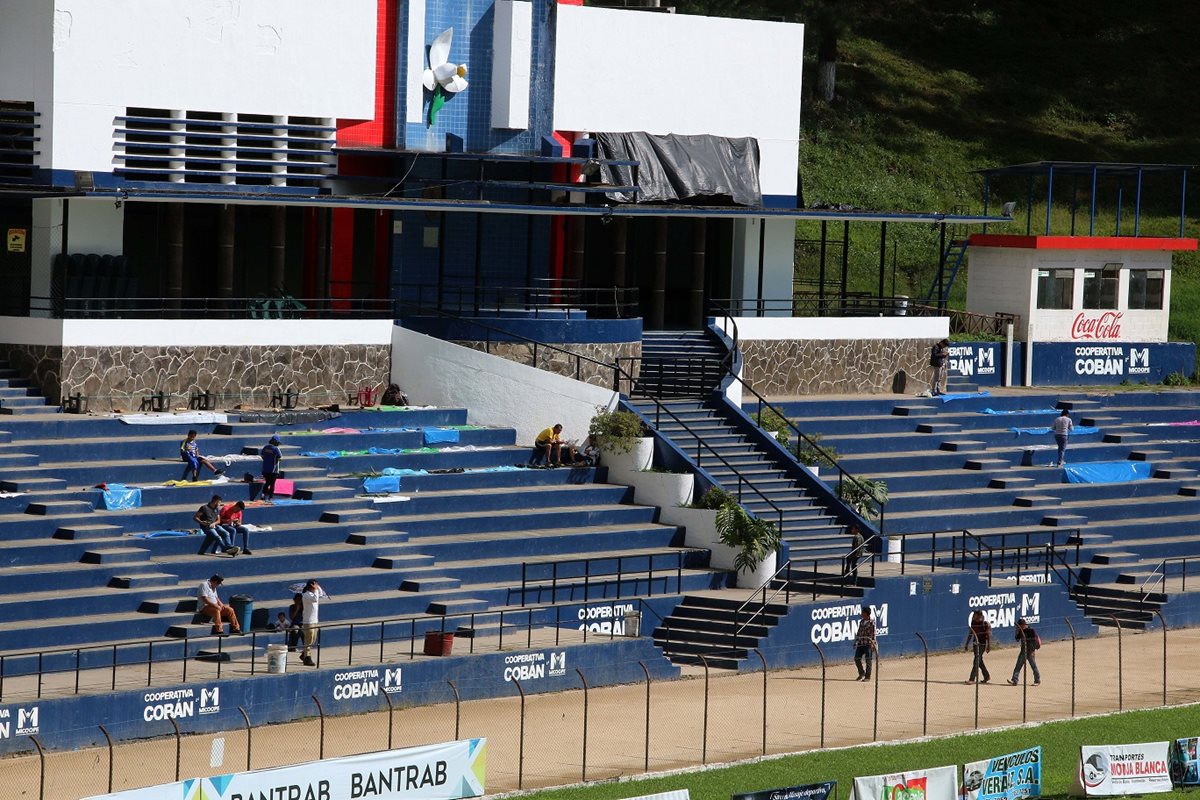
(1060, 742)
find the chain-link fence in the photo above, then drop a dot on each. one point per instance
(711, 716)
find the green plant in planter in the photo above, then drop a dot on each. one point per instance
(770, 420)
(808, 454)
(714, 499)
(863, 496)
(753, 538)
(615, 431)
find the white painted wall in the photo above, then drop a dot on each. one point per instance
(45, 242)
(415, 58)
(778, 262)
(95, 226)
(27, 61)
(512, 57)
(683, 74)
(1005, 279)
(279, 57)
(192, 332)
(495, 391)
(839, 328)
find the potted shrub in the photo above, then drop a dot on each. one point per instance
(863, 496)
(699, 522)
(771, 422)
(624, 446)
(754, 541)
(814, 455)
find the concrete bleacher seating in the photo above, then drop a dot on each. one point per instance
(77, 575)
(951, 467)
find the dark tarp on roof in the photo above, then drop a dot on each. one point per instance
(676, 168)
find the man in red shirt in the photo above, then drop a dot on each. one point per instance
(231, 523)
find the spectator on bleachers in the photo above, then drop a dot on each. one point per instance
(1062, 430)
(590, 454)
(189, 453)
(210, 605)
(295, 614)
(208, 518)
(548, 446)
(394, 396)
(311, 597)
(231, 523)
(271, 459)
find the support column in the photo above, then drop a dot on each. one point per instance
(278, 246)
(578, 237)
(46, 240)
(173, 275)
(226, 217)
(658, 283)
(699, 242)
(620, 238)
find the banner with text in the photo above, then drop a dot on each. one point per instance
(448, 771)
(1005, 777)
(808, 791)
(939, 783)
(1119, 769)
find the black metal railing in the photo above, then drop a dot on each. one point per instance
(560, 299)
(531, 581)
(864, 304)
(256, 307)
(1161, 574)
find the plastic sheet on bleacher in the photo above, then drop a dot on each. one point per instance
(1078, 430)
(1002, 412)
(946, 398)
(119, 497)
(1108, 472)
(441, 436)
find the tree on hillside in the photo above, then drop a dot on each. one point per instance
(827, 21)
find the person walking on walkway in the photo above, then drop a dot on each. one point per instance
(864, 645)
(1030, 643)
(979, 639)
(1062, 429)
(311, 597)
(939, 354)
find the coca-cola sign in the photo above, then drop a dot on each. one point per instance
(1103, 326)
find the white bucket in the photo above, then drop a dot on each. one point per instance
(277, 658)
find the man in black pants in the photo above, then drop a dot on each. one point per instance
(271, 459)
(864, 645)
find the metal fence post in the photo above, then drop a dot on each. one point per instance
(108, 739)
(583, 776)
(249, 737)
(42, 767)
(1024, 679)
(321, 711)
(457, 708)
(925, 684)
(822, 655)
(646, 763)
(1071, 628)
(704, 733)
(178, 747)
(875, 710)
(391, 716)
(1163, 622)
(521, 739)
(1120, 666)
(764, 710)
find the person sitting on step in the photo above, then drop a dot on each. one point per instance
(189, 453)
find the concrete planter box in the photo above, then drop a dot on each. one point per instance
(662, 489)
(700, 526)
(636, 460)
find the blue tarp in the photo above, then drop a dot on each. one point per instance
(381, 485)
(402, 472)
(1108, 472)
(159, 534)
(119, 497)
(441, 436)
(946, 398)
(1021, 411)
(1078, 430)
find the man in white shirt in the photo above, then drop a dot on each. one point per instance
(1062, 429)
(311, 596)
(211, 606)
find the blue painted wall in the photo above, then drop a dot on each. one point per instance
(1073, 363)
(205, 707)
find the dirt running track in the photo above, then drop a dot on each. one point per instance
(616, 725)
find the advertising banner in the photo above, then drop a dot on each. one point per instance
(1004, 777)
(1185, 769)
(939, 783)
(1119, 769)
(435, 772)
(807, 791)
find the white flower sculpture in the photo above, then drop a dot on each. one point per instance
(443, 78)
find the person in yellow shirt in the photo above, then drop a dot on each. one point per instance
(547, 447)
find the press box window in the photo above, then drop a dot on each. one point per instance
(1100, 286)
(1056, 288)
(1145, 288)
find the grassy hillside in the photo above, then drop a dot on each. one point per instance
(929, 91)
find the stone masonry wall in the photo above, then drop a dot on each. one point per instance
(562, 364)
(778, 368)
(119, 377)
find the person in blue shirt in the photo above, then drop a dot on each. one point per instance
(189, 453)
(271, 459)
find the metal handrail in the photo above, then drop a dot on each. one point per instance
(537, 584)
(843, 474)
(560, 299)
(1159, 575)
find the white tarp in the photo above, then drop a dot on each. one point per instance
(938, 783)
(435, 772)
(1119, 769)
